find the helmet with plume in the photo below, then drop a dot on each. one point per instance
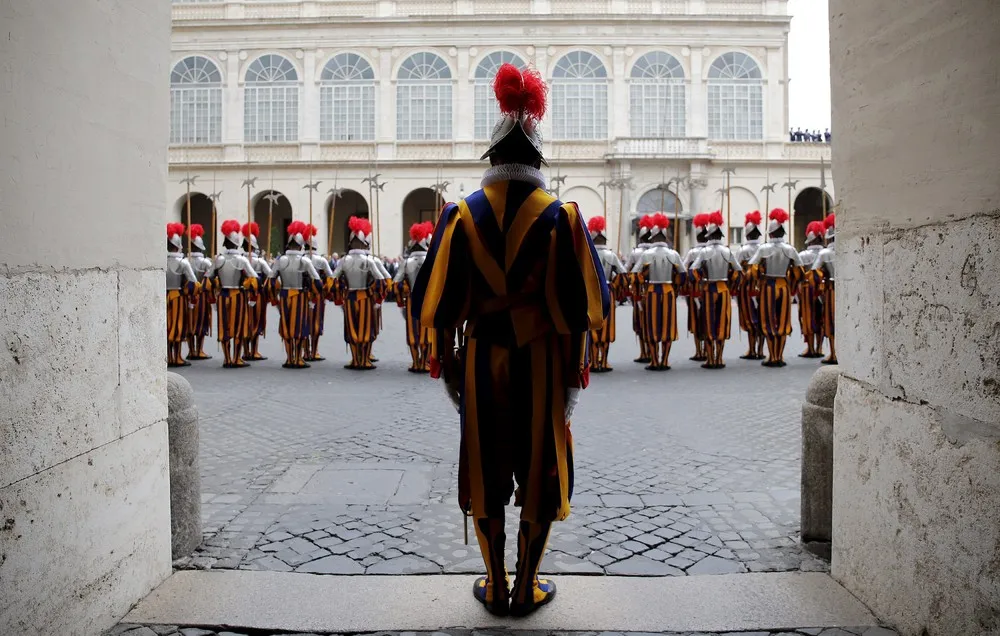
(251, 231)
(521, 97)
(778, 219)
(311, 234)
(752, 221)
(830, 223)
(645, 225)
(715, 222)
(597, 226)
(361, 229)
(297, 233)
(231, 231)
(420, 234)
(175, 234)
(197, 231)
(660, 223)
(815, 230)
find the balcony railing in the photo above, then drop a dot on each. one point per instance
(638, 148)
(193, 10)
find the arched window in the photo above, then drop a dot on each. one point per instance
(657, 200)
(347, 99)
(487, 111)
(735, 98)
(579, 97)
(271, 104)
(423, 98)
(657, 100)
(195, 102)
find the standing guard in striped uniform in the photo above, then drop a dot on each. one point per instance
(810, 298)
(518, 269)
(658, 274)
(234, 282)
(360, 287)
(748, 297)
(618, 282)
(778, 272)
(182, 284)
(294, 278)
(717, 268)
(200, 306)
(637, 293)
(696, 319)
(318, 297)
(418, 338)
(257, 307)
(825, 265)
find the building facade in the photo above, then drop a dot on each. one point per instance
(674, 105)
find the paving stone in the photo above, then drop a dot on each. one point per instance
(715, 565)
(196, 631)
(140, 631)
(406, 564)
(332, 565)
(165, 630)
(662, 500)
(639, 565)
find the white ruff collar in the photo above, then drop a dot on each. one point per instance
(358, 252)
(513, 172)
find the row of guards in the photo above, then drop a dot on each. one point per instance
(763, 277)
(240, 283)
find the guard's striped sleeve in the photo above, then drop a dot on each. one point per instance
(441, 295)
(576, 290)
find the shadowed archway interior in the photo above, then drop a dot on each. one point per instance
(201, 213)
(418, 206)
(273, 205)
(350, 203)
(808, 208)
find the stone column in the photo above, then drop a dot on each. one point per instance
(185, 475)
(85, 529)
(916, 487)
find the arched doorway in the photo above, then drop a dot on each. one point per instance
(201, 214)
(350, 203)
(273, 205)
(663, 200)
(418, 206)
(735, 209)
(809, 207)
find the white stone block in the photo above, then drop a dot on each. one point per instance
(82, 541)
(142, 390)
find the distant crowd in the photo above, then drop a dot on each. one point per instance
(811, 136)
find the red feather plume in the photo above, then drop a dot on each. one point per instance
(230, 226)
(716, 218)
(597, 224)
(359, 225)
(661, 220)
(175, 228)
(250, 228)
(779, 215)
(816, 227)
(311, 231)
(196, 230)
(520, 91)
(830, 221)
(296, 227)
(420, 231)
(646, 221)
(700, 220)
(753, 217)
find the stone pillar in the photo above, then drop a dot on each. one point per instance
(185, 471)
(817, 456)
(916, 484)
(84, 490)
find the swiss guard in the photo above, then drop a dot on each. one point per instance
(810, 299)
(636, 292)
(234, 282)
(418, 339)
(182, 285)
(748, 297)
(257, 307)
(517, 268)
(825, 265)
(615, 274)
(779, 271)
(696, 320)
(360, 286)
(659, 273)
(200, 306)
(295, 279)
(317, 298)
(715, 269)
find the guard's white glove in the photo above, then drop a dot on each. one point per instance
(312, 305)
(252, 303)
(572, 399)
(378, 306)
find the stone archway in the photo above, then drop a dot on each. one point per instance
(350, 203)
(273, 205)
(420, 205)
(201, 214)
(808, 208)
(663, 200)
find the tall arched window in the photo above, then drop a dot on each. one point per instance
(423, 98)
(271, 104)
(657, 101)
(347, 99)
(735, 98)
(487, 111)
(195, 102)
(579, 97)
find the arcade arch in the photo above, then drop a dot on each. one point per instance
(273, 208)
(350, 203)
(809, 207)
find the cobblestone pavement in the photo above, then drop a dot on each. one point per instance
(172, 630)
(326, 470)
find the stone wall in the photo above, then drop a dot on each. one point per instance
(916, 98)
(84, 500)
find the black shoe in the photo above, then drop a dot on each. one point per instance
(643, 360)
(829, 361)
(497, 607)
(545, 585)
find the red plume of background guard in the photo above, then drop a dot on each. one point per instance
(520, 92)
(597, 224)
(779, 215)
(753, 218)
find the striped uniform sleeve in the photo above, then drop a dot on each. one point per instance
(441, 295)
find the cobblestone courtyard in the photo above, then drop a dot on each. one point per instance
(327, 470)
